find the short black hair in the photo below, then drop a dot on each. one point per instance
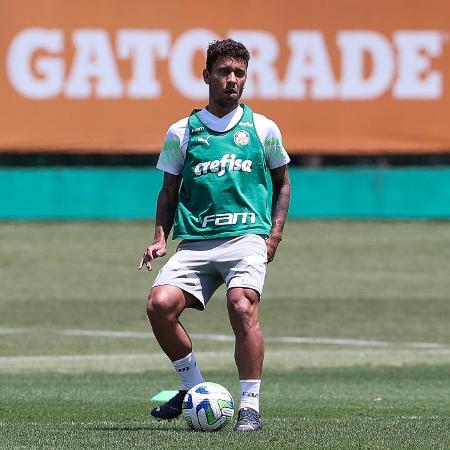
(227, 47)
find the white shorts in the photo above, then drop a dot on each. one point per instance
(199, 267)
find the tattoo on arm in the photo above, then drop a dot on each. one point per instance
(280, 200)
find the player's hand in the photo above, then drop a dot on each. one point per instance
(150, 253)
(272, 245)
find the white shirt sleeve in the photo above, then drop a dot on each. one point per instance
(271, 140)
(173, 153)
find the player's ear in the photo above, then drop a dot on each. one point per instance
(206, 76)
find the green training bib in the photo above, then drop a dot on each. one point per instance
(225, 189)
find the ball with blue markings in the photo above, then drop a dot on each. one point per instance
(208, 407)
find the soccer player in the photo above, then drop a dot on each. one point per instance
(220, 165)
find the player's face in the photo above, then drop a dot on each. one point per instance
(226, 81)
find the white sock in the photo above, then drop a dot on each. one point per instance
(188, 371)
(250, 394)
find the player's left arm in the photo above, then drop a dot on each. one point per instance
(280, 205)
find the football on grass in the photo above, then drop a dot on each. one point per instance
(208, 407)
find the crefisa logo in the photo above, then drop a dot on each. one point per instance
(241, 138)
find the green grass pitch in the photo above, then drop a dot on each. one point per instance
(355, 316)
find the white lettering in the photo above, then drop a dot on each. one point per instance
(182, 74)
(223, 219)
(220, 166)
(207, 219)
(262, 80)
(229, 219)
(354, 46)
(49, 78)
(143, 47)
(309, 62)
(244, 217)
(214, 166)
(197, 169)
(93, 60)
(371, 65)
(247, 165)
(223, 163)
(232, 159)
(218, 219)
(415, 79)
(237, 164)
(206, 167)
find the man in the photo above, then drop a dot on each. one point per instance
(216, 193)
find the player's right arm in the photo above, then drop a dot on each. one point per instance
(171, 161)
(165, 214)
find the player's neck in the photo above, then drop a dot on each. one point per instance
(219, 110)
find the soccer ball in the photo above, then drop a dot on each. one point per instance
(208, 407)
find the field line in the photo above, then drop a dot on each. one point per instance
(229, 338)
(12, 330)
(279, 340)
(96, 357)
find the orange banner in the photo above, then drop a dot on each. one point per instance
(337, 76)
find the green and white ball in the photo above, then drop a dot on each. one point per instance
(208, 407)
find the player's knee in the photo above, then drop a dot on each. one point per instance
(243, 306)
(160, 305)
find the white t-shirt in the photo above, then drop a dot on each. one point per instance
(173, 153)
